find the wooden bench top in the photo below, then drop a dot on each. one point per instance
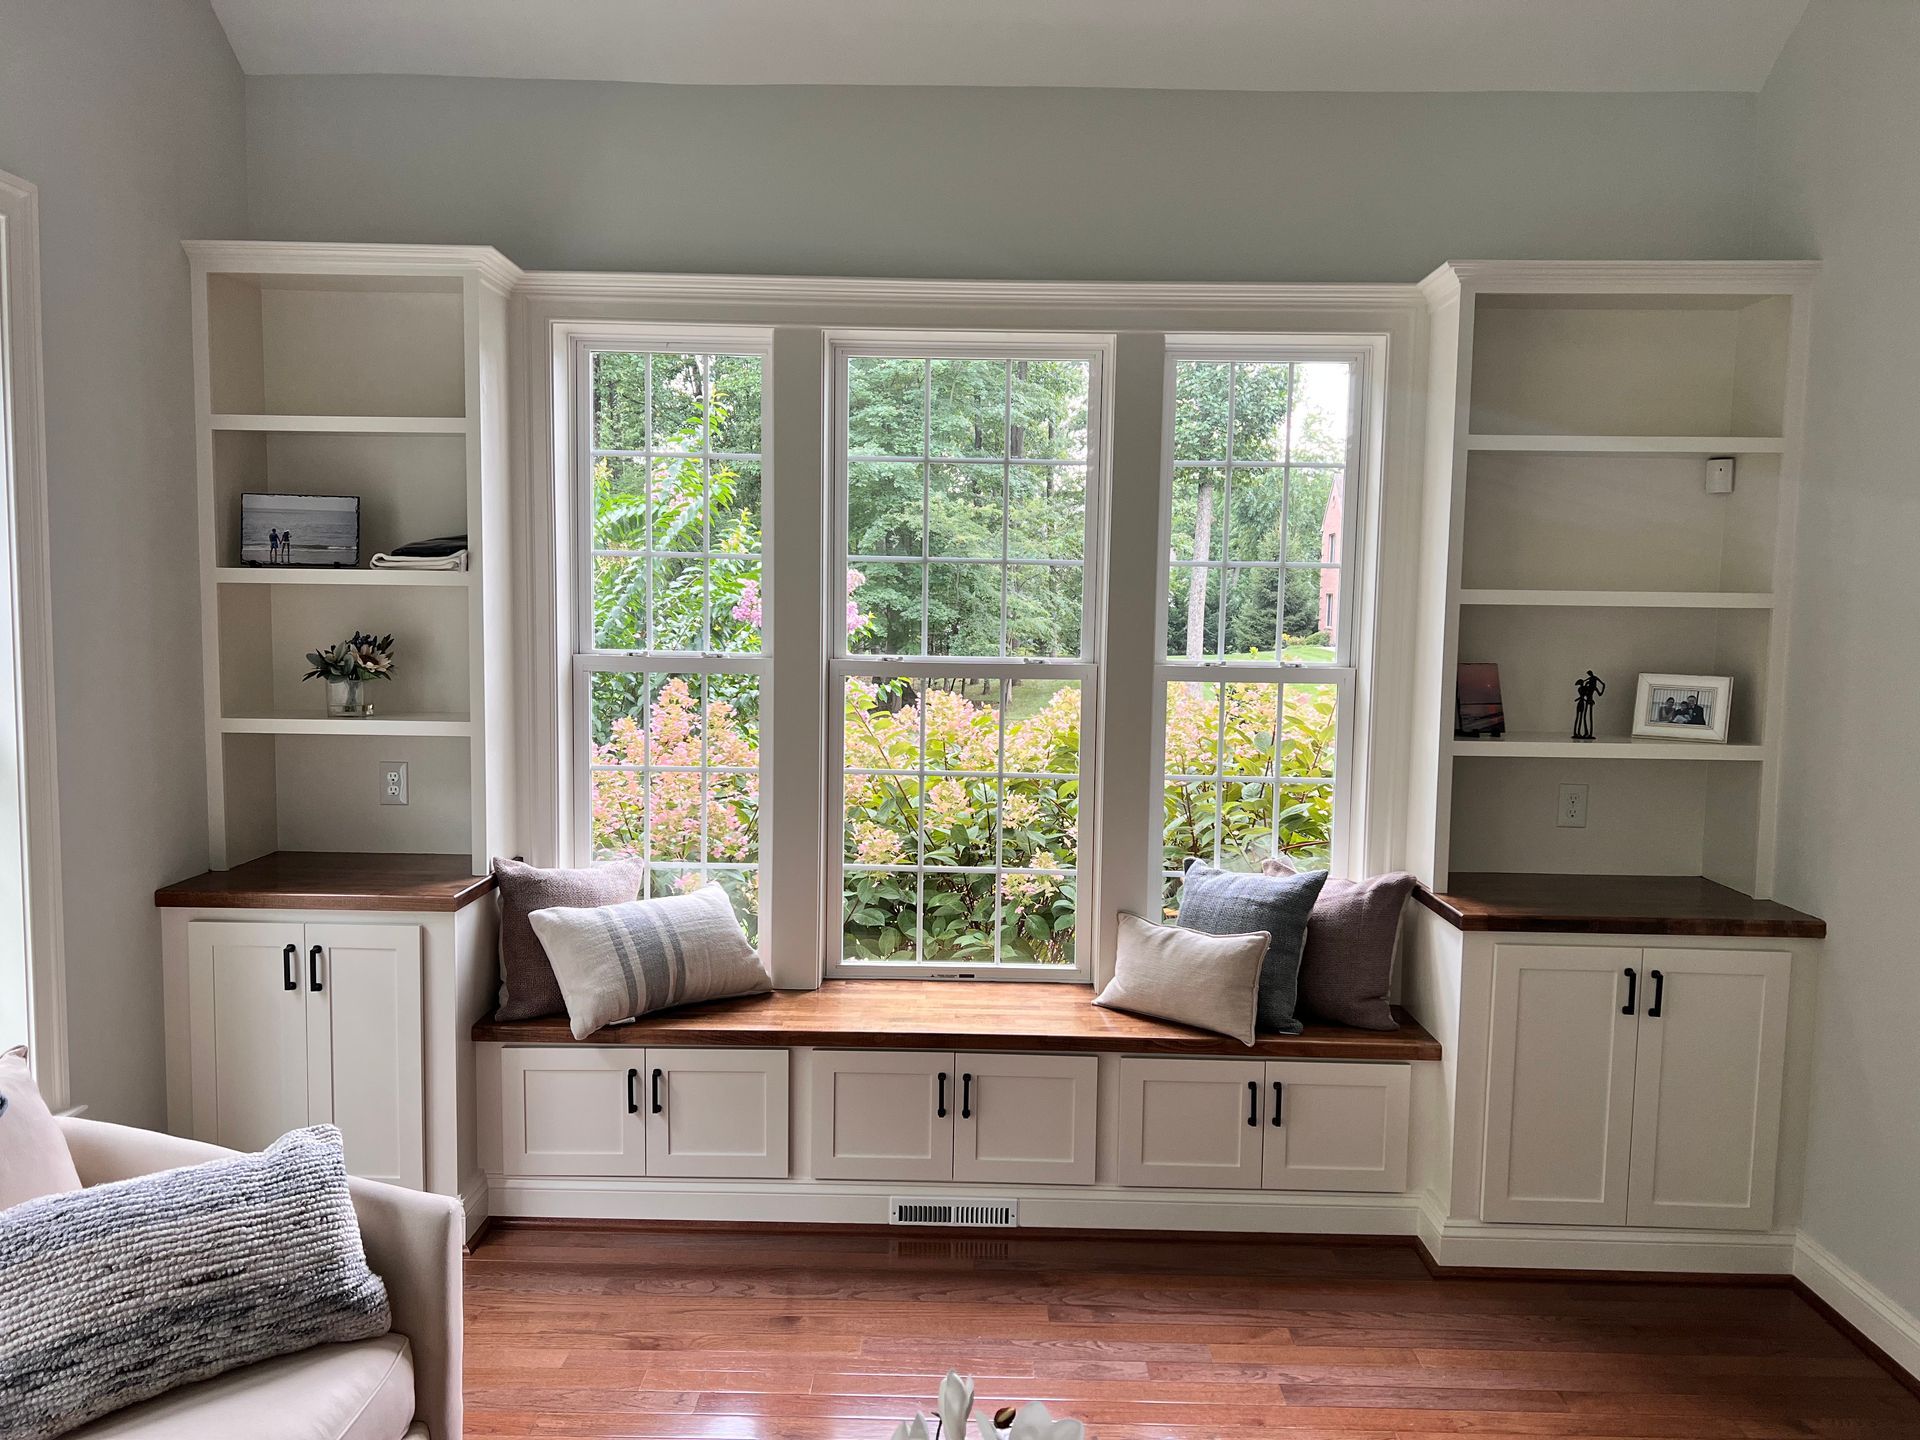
(328, 880)
(959, 1015)
(1613, 905)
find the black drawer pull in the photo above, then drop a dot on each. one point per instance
(1253, 1102)
(313, 969)
(633, 1099)
(1659, 994)
(290, 967)
(966, 1096)
(1278, 1102)
(940, 1109)
(657, 1106)
(1633, 989)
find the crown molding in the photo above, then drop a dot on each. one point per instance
(970, 294)
(1626, 277)
(269, 257)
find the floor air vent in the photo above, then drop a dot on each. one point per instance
(991, 1214)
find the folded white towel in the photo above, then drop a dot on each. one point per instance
(455, 561)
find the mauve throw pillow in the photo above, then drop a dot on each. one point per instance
(1347, 971)
(33, 1153)
(1226, 902)
(528, 989)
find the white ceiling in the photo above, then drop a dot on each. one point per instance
(1646, 45)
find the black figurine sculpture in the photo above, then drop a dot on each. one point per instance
(1586, 690)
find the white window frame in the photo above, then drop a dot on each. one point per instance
(583, 342)
(1360, 503)
(1097, 350)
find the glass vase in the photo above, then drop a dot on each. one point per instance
(347, 699)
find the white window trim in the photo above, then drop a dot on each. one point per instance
(24, 553)
(1359, 547)
(578, 344)
(1098, 350)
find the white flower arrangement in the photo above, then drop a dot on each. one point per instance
(1025, 1422)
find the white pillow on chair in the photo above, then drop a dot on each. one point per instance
(33, 1153)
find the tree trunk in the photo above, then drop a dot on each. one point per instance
(1197, 592)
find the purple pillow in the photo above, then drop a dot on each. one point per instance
(528, 989)
(1347, 968)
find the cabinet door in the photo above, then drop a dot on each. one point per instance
(246, 984)
(1706, 1108)
(364, 1066)
(1190, 1123)
(1335, 1126)
(1560, 1083)
(883, 1114)
(571, 1110)
(716, 1113)
(1026, 1118)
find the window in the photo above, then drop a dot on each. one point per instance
(1258, 665)
(673, 644)
(967, 509)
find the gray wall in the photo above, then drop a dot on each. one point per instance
(1840, 137)
(128, 115)
(1041, 184)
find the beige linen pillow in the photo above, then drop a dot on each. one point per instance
(1208, 981)
(33, 1153)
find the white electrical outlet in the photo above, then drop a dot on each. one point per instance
(1572, 814)
(393, 782)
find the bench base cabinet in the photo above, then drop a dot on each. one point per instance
(1251, 1125)
(1630, 1086)
(626, 1111)
(910, 1115)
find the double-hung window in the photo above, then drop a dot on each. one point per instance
(1258, 667)
(966, 524)
(673, 644)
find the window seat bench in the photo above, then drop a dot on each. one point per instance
(948, 1014)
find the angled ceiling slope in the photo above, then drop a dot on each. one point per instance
(1379, 45)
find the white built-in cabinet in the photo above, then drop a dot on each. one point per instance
(304, 1024)
(1253, 1124)
(939, 1115)
(627, 1111)
(1637, 1087)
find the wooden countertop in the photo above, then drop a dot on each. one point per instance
(1613, 905)
(324, 880)
(960, 1015)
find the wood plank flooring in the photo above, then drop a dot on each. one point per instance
(584, 1334)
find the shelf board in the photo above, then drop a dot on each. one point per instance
(1625, 599)
(1535, 746)
(1630, 444)
(398, 723)
(346, 424)
(295, 575)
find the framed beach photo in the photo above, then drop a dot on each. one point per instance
(313, 531)
(1683, 707)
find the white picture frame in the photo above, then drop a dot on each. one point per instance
(1683, 707)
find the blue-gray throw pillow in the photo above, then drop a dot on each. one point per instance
(124, 1291)
(1226, 902)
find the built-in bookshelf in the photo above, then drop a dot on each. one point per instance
(1569, 525)
(376, 372)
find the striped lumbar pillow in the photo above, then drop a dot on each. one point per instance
(124, 1291)
(625, 960)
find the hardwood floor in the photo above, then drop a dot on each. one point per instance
(575, 1333)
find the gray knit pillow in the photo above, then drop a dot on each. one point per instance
(122, 1292)
(626, 960)
(1224, 902)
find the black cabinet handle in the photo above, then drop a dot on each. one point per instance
(633, 1100)
(1659, 994)
(657, 1106)
(1633, 989)
(941, 1109)
(313, 969)
(1279, 1097)
(966, 1096)
(290, 967)
(1253, 1102)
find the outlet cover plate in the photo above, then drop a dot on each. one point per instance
(393, 782)
(1572, 813)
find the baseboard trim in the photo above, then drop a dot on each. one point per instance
(1869, 1316)
(474, 1197)
(1469, 1247)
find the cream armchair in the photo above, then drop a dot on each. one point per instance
(403, 1385)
